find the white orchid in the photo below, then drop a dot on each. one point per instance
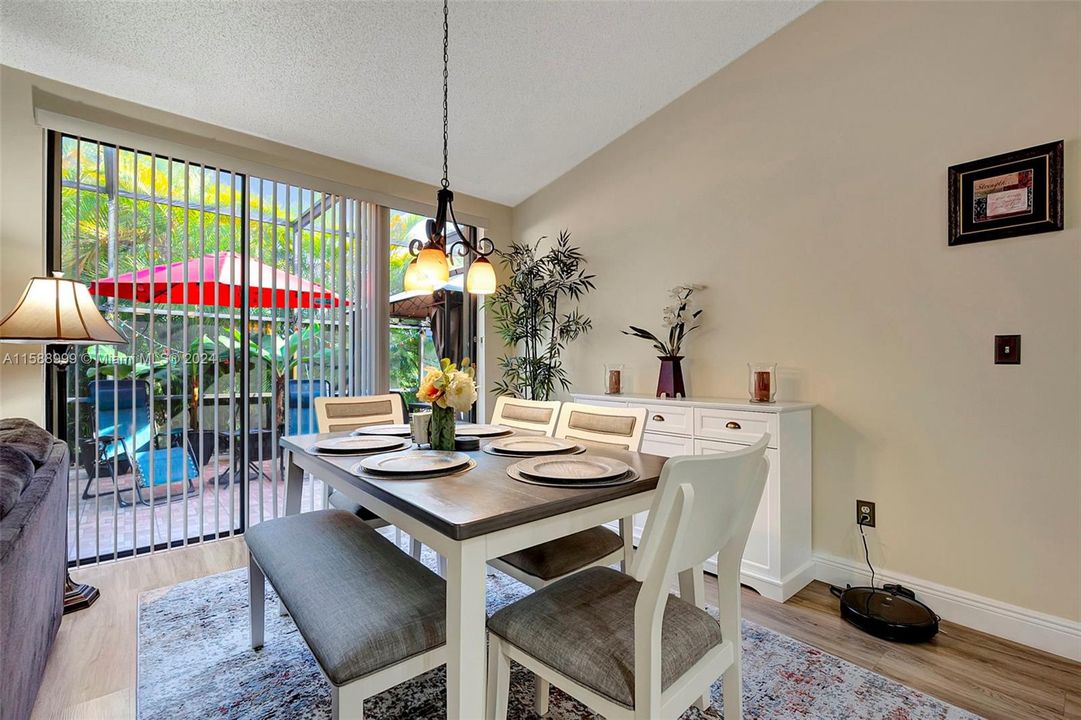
(675, 318)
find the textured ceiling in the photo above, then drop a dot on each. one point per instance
(536, 87)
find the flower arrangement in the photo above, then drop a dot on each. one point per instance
(676, 317)
(448, 386)
(449, 389)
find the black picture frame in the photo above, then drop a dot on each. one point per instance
(1016, 193)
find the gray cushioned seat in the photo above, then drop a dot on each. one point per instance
(341, 502)
(583, 626)
(558, 557)
(360, 603)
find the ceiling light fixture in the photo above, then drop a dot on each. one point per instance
(430, 268)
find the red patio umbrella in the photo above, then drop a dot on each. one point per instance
(217, 280)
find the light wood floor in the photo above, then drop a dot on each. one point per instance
(91, 674)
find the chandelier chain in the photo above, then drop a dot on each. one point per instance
(446, 59)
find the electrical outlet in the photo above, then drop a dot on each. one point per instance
(865, 509)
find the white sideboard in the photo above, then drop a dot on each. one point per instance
(777, 561)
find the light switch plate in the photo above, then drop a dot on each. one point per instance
(1007, 349)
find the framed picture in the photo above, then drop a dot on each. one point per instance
(1018, 193)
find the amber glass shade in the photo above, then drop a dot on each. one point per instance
(432, 264)
(481, 277)
(415, 279)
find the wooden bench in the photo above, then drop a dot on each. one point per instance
(372, 616)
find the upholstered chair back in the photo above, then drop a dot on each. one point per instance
(338, 414)
(617, 427)
(539, 416)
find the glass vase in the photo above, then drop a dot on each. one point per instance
(441, 428)
(762, 382)
(613, 379)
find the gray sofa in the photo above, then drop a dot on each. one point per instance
(33, 558)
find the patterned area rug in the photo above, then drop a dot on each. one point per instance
(194, 662)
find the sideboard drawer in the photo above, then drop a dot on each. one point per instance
(735, 426)
(666, 445)
(668, 419)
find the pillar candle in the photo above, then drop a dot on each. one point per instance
(761, 386)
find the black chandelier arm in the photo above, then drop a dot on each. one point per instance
(483, 247)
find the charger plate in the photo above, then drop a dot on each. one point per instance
(361, 472)
(629, 476)
(399, 430)
(532, 445)
(576, 450)
(358, 445)
(479, 430)
(414, 462)
(589, 468)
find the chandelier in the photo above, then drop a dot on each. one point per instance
(430, 268)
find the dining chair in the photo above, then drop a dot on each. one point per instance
(621, 644)
(539, 416)
(340, 414)
(537, 566)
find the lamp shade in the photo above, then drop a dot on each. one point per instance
(481, 277)
(432, 263)
(416, 280)
(57, 310)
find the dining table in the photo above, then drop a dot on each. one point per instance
(470, 517)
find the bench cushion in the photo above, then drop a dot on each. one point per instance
(558, 557)
(360, 603)
(583, 626)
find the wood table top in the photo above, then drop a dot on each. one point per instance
(483, 499)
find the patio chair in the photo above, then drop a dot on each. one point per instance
(124, 429)
(301, 403)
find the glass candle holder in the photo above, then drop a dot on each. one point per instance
(762, 381)
(613, 379)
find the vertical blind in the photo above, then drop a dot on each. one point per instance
(175, 436)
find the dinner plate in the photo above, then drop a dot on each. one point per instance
(479, 430)
(531, 445)
(358, 444)
(361, 472)
(397, 430)
(629, 476)
(578, 450)
(583, 468)
(415, 461)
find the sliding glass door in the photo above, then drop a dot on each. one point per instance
(239, 296)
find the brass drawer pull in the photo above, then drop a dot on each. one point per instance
(733, 425)
(658, 418)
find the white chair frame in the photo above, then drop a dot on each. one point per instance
(346, 701)
(632, 442)
(325, 424)
(703, 505)
(502, 403)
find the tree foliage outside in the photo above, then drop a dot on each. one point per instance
(531, 315)
(122, 211)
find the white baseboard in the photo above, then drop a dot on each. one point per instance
(1039, 630)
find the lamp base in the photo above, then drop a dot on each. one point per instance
(78, 596)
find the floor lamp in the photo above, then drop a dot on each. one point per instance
(59, 311)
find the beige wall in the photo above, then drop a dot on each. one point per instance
(22, 188)
(805, 184)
